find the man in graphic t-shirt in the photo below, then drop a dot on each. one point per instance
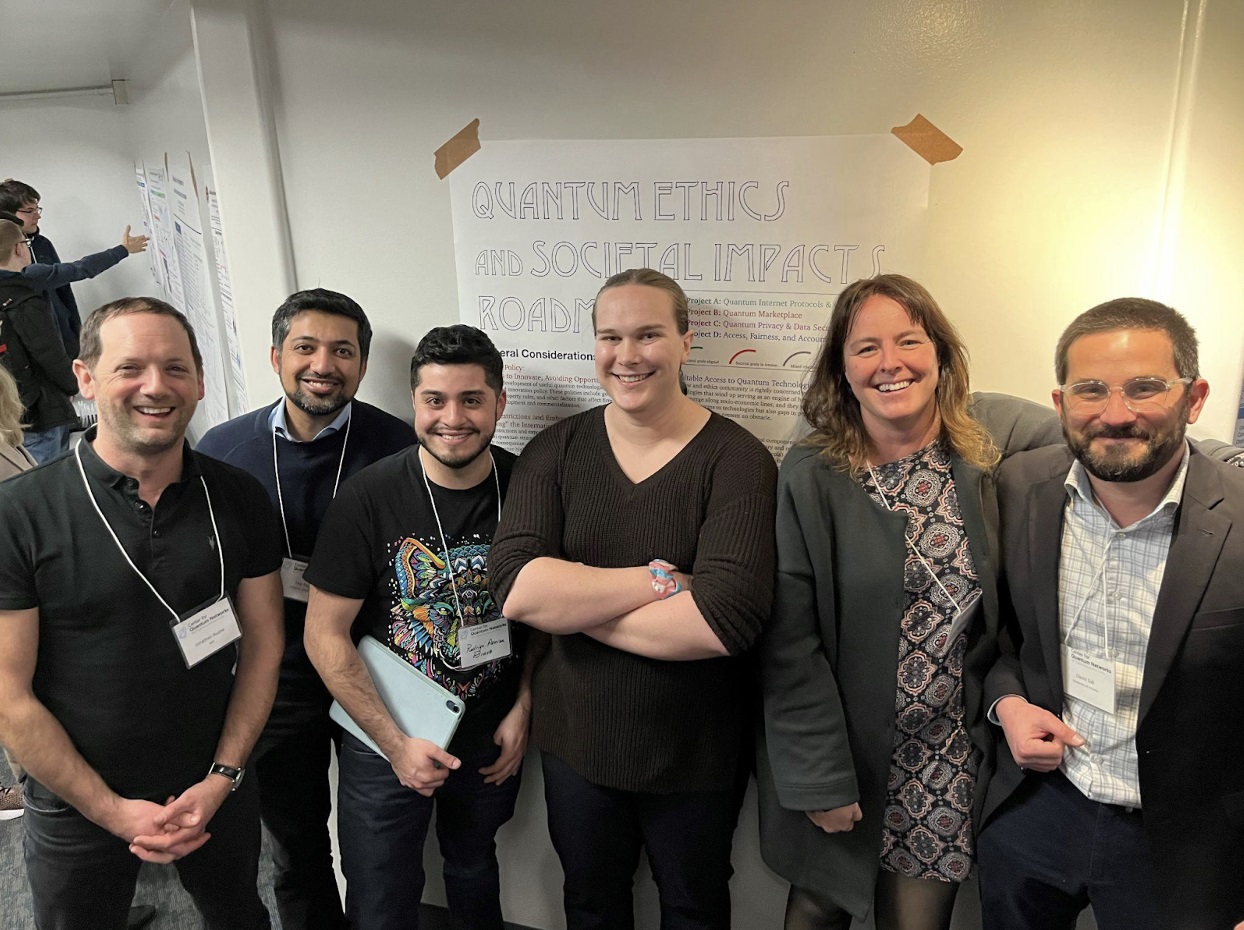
(403, 551)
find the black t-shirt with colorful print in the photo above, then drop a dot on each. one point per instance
(380, 542)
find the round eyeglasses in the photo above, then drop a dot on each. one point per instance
(1140, 395)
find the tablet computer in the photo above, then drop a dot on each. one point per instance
(419, 706)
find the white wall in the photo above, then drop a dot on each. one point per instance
(1062, 198)
(72, 152)
(79, 153)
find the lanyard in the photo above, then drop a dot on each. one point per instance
(914, 551)
(220, 550)
(276, 470)
(1099, 578)
(449, 569)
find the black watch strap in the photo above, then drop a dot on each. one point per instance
(230, 772)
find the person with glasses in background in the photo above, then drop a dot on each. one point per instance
(19, 202)
(32, 351)
(1120, 783)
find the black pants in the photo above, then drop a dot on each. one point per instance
(598, 833)
(291, 768)
(82, 877)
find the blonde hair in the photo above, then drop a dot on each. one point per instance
(11, 409)
(10, 235)
(831, 408)
(649, 278)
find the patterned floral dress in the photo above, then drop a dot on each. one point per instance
(928, 814)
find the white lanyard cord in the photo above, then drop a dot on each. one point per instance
(220, 550)
(914, 551)
(449, 568)
(1098, 577)
(276, 470)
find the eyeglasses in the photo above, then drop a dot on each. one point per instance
(30, 211)
(1140, 395)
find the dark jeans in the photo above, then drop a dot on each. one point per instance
(295, 802)
(82, 877)
(382, 826)
(598, 833)
(1051, 852)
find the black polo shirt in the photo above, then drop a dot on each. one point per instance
(109, 668)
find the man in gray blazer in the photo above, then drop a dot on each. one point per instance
(1120, 782)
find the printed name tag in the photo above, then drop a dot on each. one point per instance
(294, 585)
(1088, 678)
(206, 631)
(484, 642)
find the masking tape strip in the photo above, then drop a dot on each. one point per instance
(927, 141)
(458, 149)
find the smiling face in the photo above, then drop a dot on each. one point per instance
(145, 383)
(638, 347)
(456, 414)
(320, 363)
(891, 366)
(1117, 444)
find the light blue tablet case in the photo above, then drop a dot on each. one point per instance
(419, 706)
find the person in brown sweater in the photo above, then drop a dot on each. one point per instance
(640, 535)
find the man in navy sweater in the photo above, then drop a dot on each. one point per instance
(302, 448)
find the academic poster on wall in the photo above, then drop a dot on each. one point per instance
(224, 284)
(761, 233)
(198, 303)
(188, 267)
(168, 275)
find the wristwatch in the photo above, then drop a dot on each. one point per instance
(230, 772)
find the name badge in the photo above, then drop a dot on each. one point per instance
(484, 642)
(206, 631)
(294, 585)
(1088, 678)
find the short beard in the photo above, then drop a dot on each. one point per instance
(1115, 465)
(457, 464)
(316, 407)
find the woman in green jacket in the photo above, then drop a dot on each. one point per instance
(885, 606)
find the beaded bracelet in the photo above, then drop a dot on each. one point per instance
(664, 582)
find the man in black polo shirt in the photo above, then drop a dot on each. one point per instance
(140, 610)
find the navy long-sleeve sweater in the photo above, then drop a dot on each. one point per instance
(308, 471)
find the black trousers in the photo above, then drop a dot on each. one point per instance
(82, 877)
(291, 768)
(598, 834)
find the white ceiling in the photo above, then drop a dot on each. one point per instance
(57, 44)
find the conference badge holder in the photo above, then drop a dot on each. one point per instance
(293, 584)
(203, 632)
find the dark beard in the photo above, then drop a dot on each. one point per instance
(315, 406)
(1115, 466)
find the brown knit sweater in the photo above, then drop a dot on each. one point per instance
(622, 720)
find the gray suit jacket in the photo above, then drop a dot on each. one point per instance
(1188, 738)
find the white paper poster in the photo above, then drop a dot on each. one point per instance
(225, 290)
(761, 233)
(162, 235)
(153, 253)
(198, 302)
